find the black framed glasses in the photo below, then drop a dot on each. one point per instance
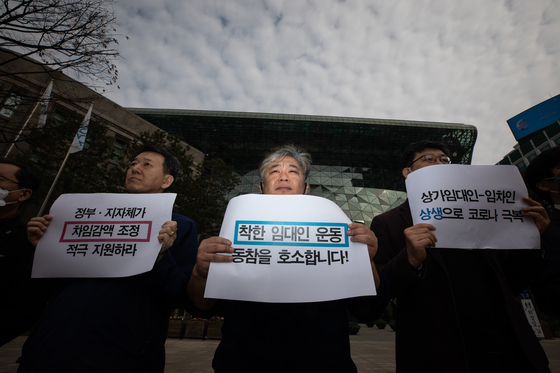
(13, 181)
(431, 158)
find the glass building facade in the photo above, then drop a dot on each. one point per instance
(356, 161)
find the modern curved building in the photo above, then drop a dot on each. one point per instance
(356, 161)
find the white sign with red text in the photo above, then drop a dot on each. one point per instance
(102, 235)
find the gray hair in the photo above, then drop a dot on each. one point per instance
(301, 156)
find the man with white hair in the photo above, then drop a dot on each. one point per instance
(286, 337)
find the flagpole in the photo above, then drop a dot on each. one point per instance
(53, 184)
(73, 149)
(27, 121)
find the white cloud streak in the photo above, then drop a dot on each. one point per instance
(479, 62)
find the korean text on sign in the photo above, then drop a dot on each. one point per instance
(111, 212)
(102, 231)
(469, 195)
(273, 233)
(306, 257)
(439, 213)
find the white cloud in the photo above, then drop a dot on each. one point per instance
(477, 62)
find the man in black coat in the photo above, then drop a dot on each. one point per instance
(22, 297)
(286, 337)
(117, 324)
(456, 309)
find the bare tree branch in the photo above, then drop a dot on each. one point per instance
(75, 35)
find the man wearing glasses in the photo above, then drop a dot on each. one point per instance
(456, 309)
(21, 296)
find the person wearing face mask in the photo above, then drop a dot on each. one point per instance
(543, 177)
(22, 297)
(456, 309)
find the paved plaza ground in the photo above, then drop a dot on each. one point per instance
(373, 351)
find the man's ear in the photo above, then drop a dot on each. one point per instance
(261, 187)
(305, 188)
(167, 182)
(26, 194)
(406, 171)
(542, 185)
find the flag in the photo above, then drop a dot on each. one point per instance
(45, 106)
(80, 138)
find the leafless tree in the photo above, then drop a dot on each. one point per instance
(74, 35)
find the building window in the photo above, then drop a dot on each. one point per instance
(57, 118)
(546, 147)
(521, 165)
(514, 155)
(526, 147)
(117, 149)
(553, 130)
(531, 156)
(10, 105)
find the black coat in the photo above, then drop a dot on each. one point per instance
(114, 324)
(429, 335)
(23, 298)
(546, 288)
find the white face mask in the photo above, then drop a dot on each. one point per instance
(4, 193)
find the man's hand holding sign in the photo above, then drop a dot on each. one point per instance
(423, 233)
(282, 177)
(283, 259)
(472, 207)
(123, 261)
(426, 250)
(283, 254)
(118, 237)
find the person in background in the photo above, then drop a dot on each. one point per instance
(23, 298)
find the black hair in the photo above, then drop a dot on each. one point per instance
(540, 168)
(171, 165)
(26, 177)
(416, 147)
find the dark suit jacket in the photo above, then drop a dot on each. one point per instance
(23, 298)
(546, 289)
(114, 324)
(429, 336)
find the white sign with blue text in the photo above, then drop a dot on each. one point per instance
(289, 249)
(102, 235)
(472, 207)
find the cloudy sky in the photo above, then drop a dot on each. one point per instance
(477, 62)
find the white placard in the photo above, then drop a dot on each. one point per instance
(472, 207)
(102, 235)
(289, 249)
